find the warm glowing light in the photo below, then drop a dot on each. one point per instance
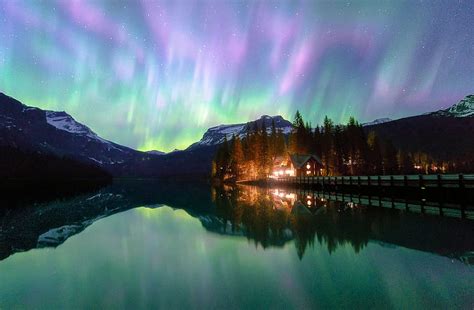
(287, 172)
(308, 166)
(308, 202)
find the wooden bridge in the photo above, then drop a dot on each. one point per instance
(449, 194)
(463, 181)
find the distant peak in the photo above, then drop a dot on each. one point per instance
(156, 152)
(217, 134)
(378, 121)
(464, 108)
(265, 117)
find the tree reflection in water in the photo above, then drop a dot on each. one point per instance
(274, 217)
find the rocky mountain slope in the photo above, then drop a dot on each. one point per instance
(464, 108)
(216, 135)
(445, 134)
(58, 133)
(377, 121)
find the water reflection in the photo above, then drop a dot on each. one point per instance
(265, 217)
(141, 244)
(271, 217)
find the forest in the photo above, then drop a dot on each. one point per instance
(344, 149)
(27, 176)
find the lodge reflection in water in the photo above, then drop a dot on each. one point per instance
(266, 217)
(273, 217)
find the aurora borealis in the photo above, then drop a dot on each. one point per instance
(157, 74)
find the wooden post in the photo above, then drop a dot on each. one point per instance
(461, 188)
(369, 190)
(391, 191)
(440, 199)
(405, 183)
(379, 179)
(422, 201)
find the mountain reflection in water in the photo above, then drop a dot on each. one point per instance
(266, 217)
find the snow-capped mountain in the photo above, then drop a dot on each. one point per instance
(464, 108)
(58, 133)
(377, 121)
(216, 135)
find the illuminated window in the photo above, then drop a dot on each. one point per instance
(308, 166)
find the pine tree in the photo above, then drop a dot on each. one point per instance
(237, 158)
(280, 144)
(339, 150)
(273, 142)
(264, 159)
(375, 154)
(405, 162)
(223, 158)
(390, 163)
(328, 146)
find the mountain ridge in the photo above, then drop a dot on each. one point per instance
(216, 135)
(44, 131)
(464, 108)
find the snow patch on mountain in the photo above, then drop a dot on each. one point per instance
(56, 236)
(377, 121)
(218, 134)
(64, 121)
(155, 152)
(464, 108)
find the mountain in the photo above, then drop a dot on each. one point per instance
(377, 121)
(464, 108)
(216, 135)
(58, 133)
(50, 132)
(444, 135)
(155, 152)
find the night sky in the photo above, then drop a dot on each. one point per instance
(156, 75)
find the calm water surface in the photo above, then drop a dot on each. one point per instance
(173, 246)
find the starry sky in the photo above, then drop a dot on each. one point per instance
(156, 74)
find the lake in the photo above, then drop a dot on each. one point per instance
(149, 244)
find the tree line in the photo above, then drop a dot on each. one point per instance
(344, 149)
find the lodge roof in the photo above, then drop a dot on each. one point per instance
(299, 160)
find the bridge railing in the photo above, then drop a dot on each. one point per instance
(417, 180)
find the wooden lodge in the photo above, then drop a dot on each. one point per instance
(296, 165)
